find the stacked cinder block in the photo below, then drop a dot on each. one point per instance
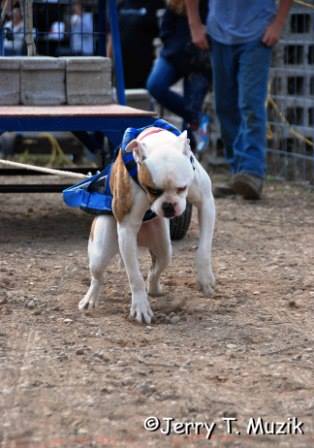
(42, 81)
(46, 81)
(88, 80)
(292, 89)
(9, 81)
(138, 98)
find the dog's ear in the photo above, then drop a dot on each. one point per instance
(138, 149)
(185, 143)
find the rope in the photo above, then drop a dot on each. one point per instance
(292, 130)
(4, 11)
(300, 2)
(284, 120)
(57, 155)
(42, 169)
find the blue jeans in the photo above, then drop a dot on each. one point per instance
(163, 75)
(240, 85)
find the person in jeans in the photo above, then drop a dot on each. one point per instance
(242, 34)
(175, 62)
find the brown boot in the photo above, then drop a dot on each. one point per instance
(223, 191)
(247, 185)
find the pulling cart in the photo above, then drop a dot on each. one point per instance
(110, 120)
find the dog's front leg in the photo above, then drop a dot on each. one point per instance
(140, 307)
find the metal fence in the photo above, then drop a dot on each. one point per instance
(291, 98)
(55, 27)
(62, 28)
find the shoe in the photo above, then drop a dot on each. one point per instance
(223, 191)
(248, 186)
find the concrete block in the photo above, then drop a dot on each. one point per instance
(9, 81)
(42, 81)
(138, 98)
(88, 80)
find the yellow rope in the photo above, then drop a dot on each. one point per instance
(57, 155)
(292, 130)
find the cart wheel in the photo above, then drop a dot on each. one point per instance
(179, 226)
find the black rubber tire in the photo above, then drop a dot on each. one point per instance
(180, 225)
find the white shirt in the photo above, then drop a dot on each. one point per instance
(18, 37)
(82, 34)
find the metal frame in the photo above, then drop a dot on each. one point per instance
(112, 125)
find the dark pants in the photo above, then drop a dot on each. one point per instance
(240, 85)
(188, 106)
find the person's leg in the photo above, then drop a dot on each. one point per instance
(195, 88)
(161, 78)
(225, 74)
(250, 145)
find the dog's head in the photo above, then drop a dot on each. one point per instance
(165, 170)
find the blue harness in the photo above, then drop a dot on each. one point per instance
(93, 195)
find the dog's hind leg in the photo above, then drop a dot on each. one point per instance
(161, 251)
(102, 246)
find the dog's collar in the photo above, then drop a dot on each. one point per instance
(152, 131)
(132, 133)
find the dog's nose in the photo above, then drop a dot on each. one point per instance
(168, 209)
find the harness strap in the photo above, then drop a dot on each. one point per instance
(153, 131)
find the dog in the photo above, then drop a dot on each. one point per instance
(168, 175)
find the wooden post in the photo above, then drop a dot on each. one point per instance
(28, 23)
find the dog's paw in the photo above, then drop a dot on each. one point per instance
(155, 290)
(153, 286)
(207, 286)
(206, 289)
(88, 302)
(141, 310)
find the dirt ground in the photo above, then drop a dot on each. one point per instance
(90, 380)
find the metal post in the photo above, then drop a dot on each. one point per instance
(4, 6)
(101, 27)
(116, 46)
(1, 42)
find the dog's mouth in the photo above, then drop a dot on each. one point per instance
(168, 209)
(169, 215)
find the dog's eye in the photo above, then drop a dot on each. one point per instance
(181, 190)
(154, 191)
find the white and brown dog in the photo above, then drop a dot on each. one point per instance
(168, 175)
